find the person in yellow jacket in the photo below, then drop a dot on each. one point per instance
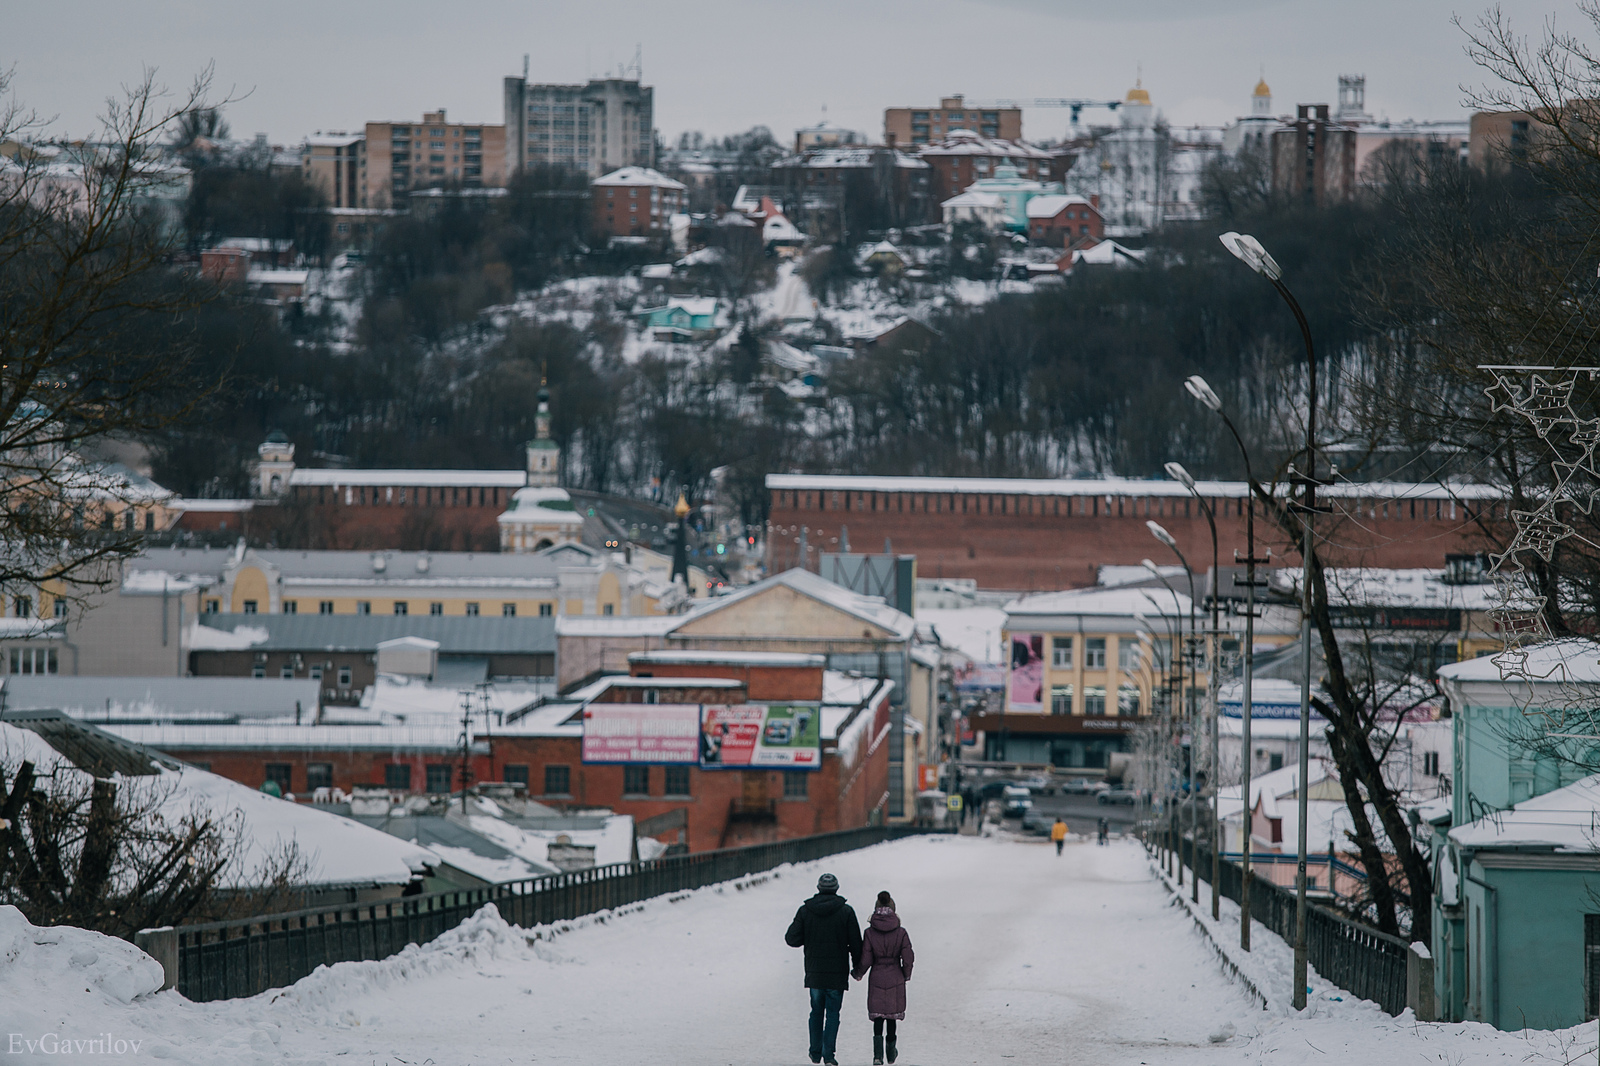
(1058, 833)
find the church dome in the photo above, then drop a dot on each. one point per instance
(1261, 88)
(1137, 94)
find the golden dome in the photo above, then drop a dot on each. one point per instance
(1261, 88)
(1137, 94)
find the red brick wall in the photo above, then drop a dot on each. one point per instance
(350, 767)
(766, 683)
(399, 517)
(1007, 541)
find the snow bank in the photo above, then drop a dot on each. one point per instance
(62, 983)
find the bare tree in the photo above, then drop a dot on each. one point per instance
(96, 330)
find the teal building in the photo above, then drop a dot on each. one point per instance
(1516, 847)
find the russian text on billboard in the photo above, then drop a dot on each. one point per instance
(641, 733)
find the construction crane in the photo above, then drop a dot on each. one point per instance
(1075, 105)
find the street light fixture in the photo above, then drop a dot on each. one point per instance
(1213, 676)
(1160, 533)
(1249, 251)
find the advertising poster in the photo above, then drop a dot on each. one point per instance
(1027, 671)
(641, 733)
(772, 735)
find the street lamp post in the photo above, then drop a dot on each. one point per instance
(1249, 251)
(1180, 475)
(1197, 387)
(1174, 640)
(1160, 533)
(1166, 538)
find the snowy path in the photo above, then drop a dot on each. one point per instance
(1022, 958)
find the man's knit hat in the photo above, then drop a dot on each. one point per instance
(827, 883)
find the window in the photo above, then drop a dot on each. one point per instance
(60, 608)
(1094, 653)
(344, 677)
(319, 775)
(23, 606)
(1129, 659)
(397, 776)
(677, 781)
(1128, 699)
(436, 777)
(472, 610)
(1094, 699)
(1430, 763)
(316, 672)
(281, 772)
(401, 606)
(796, 784)
(436, 608)
(286, 671)
(636, 780)
(515, 774)
(325, 607)
(249, 606)
(258, 671)
(557, 780)
(1061, 653)
(1060, 699)
(291, 607)
(508, 610)
(213, 606)
(608, 609)
(33, 661)
(1275, 761)
(364, 607)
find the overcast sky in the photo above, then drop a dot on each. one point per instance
(720, 66)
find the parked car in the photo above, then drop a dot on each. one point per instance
(1015, 800)
(1083, 786)
(995, 789)
(1038, 784)
(1118, 795)
(1036, 821)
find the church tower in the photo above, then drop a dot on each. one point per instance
(1261, 100)
(544, 454)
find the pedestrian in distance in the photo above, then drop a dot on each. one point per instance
(1105, 829)
(825, 926)
(1058, 833)
(886, 960)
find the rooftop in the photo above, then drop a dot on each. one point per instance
(488, 479)
(639, 176)
(731, 658)
(1119, 486)
(455, 634)
(1117, 602)
(1566, 819)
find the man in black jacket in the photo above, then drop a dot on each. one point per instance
(826, 927)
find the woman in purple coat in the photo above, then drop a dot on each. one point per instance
(886, 960)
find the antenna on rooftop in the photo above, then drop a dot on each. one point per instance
(524, 66)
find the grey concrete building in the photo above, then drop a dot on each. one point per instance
(596, 128)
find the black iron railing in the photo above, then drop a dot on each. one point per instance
(227, 960)
(1359, 959)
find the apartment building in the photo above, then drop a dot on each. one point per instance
(336, 163)
(596, 128)
(636, 202)
(915, 125)
(402, 156)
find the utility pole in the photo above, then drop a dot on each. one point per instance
(1246, 752)
(466, 746)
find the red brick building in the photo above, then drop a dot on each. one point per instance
(965, 157)
(1062, 221)
(636, 202)
(543, 751)
(1034, 535)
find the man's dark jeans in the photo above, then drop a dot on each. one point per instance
(825, 1004)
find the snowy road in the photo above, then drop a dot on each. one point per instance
(1022, 958)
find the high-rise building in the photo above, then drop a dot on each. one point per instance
(917, 125)
(336, 163)
(595, 128)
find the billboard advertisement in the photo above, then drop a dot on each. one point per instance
(641, 733)
(778, 736)
(1027, 671)
(979, 677)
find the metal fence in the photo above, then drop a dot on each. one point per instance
(1359, 959)
(226, 960)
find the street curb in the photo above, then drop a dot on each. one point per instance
(1227, 963)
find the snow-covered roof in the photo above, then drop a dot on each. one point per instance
(101, 699)
(1108, 253)
(1555, 662)
(847, 158)
(640, 176)
(1415, 587)
(498, 479)
(868, 608)
(731, 658)
(334, 140)
(643, 625)
(457, 634)
(973, 631)
(1121, 602)
(1052, 204)
(1566, 819)
(1120, 486)
(334, 851)
(966, 142)
(975, 198)
(542, 503)
(212, 506)
(262, 276)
